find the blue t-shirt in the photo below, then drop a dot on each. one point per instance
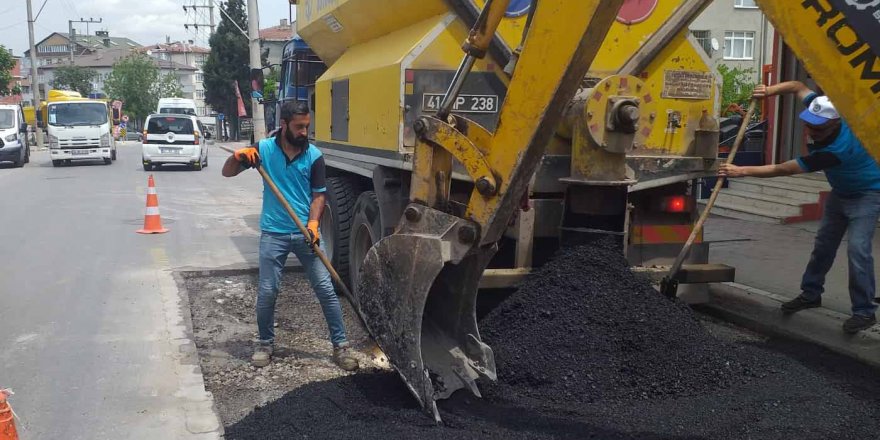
(849, 168)
(296, 178)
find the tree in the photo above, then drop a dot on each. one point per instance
(7, 63)
(228, 62)
(736, 85)
(270, 87)
(168, 86)
(134, 81)
(74, 78)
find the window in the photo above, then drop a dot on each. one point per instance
(201, 111)
(54, 48)
(744, 4)
(739, 45)
(704, 39)
(200, 94)
(200, 77)
(170, 124)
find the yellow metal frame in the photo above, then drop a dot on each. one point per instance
(839, 60)
(529, 115)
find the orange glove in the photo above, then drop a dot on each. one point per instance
(249, 157)
(314, 238)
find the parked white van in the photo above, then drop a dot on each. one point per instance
(14, 145)
(178, 106)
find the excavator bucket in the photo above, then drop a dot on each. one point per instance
(417, 294)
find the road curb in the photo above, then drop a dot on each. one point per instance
(759, 310)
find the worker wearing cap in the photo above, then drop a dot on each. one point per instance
(297, 168)
(853, 206)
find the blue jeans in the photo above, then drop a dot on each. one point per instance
(857, 216)
(274, 249)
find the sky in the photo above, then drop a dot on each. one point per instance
(145, 22)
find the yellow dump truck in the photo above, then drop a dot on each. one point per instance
(575, 120)
(634, 181)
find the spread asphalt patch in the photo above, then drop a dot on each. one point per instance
(584, 349)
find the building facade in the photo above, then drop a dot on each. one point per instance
(735, 33)
(273, 39)
(17, 80)
(185, 53)
(59, 48)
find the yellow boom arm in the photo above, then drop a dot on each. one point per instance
(838, 42)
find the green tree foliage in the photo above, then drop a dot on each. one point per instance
(270, 89)
(228, 62)
(7, 63)
(76, 78)
(736, 85)
(134, 80)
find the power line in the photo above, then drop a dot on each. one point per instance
(41, 10)
(12, 25)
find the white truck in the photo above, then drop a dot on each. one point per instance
(79, 129)
(180, 106)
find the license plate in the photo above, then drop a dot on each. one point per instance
(79, 152)
(463, 103)
(169, 150)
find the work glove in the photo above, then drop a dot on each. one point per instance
(248, 157)
(314, 238)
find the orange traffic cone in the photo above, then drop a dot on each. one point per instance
(7, 419)
(152, 220)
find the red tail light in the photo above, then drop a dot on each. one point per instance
(675, 204)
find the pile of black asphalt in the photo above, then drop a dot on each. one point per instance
(585, 348)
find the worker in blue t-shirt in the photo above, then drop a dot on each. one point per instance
(853, 206)
(297, 168)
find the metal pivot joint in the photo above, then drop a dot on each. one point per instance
(440, 134)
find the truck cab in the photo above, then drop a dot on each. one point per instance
(179, 106)
(79, 129)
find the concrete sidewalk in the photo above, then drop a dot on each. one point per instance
(773, 257)
(769, 261)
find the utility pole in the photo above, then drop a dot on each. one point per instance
(259, 119)
(71, 34)
(195, 9)
(35, 85)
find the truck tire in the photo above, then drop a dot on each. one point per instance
(56, 163)
(108, 161)
(336, 221)
(366, 230)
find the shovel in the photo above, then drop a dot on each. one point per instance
(315, 248)
(669, 283)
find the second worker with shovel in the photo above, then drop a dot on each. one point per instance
(297, 168)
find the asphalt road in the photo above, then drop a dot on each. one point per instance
(94, 332)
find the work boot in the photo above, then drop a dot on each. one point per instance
(262, 355)
(800, 303)
(858, 323)
(343, 358)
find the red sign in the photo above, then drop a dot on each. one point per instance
(241, 110)
(636, 11)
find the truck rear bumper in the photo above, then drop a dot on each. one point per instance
(79, 154)
(170, 159)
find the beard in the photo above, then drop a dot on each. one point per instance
(297, 141)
